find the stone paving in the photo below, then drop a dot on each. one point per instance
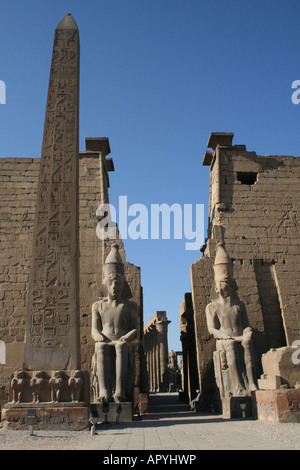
(169, 426)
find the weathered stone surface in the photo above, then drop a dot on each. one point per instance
(280, 406)
(237, 407)
(254, 209)
(52, 327)
(63, 416)
(279, 368)
(269, 382)
(116, 412)
(16, 244)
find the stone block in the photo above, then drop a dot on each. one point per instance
(122, 412)
(279, 363)
(58, 416)
(237, 407)
(279, 406)
(269, 382)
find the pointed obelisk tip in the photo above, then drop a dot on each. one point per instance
(67, 22)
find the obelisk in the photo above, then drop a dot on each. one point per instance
(52, 329)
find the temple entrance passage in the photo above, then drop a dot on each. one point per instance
(166, 403)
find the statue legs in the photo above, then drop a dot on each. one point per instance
(104, 371)
(233, 360)
(249, 363)
(122, 353)
(231, 357)
(112, 360)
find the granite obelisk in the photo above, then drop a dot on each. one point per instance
(52, 329)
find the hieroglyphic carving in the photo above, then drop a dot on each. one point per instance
(53, 289)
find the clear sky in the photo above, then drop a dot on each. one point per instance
(157, 77)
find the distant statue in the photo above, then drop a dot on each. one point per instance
(174, 376)
(227, 321)
(114, 327)
(173, 364)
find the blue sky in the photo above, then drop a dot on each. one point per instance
(157, 77)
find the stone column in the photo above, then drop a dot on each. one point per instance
(152, 362)
(151, 372)
(162, 346)
(156, 360)
(156, 344)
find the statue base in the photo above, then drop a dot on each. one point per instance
(113, 412)
(237, 407)
(50, 416)
(278, 406)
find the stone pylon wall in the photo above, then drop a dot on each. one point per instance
(254, 208)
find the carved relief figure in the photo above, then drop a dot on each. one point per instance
(114, 327)
(227, 321)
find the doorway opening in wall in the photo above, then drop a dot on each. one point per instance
(247, 177)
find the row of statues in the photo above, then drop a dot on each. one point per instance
(39, 381)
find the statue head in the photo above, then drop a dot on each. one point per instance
(225, 284)
(225, 287)
(113, 273)
(115, 285)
